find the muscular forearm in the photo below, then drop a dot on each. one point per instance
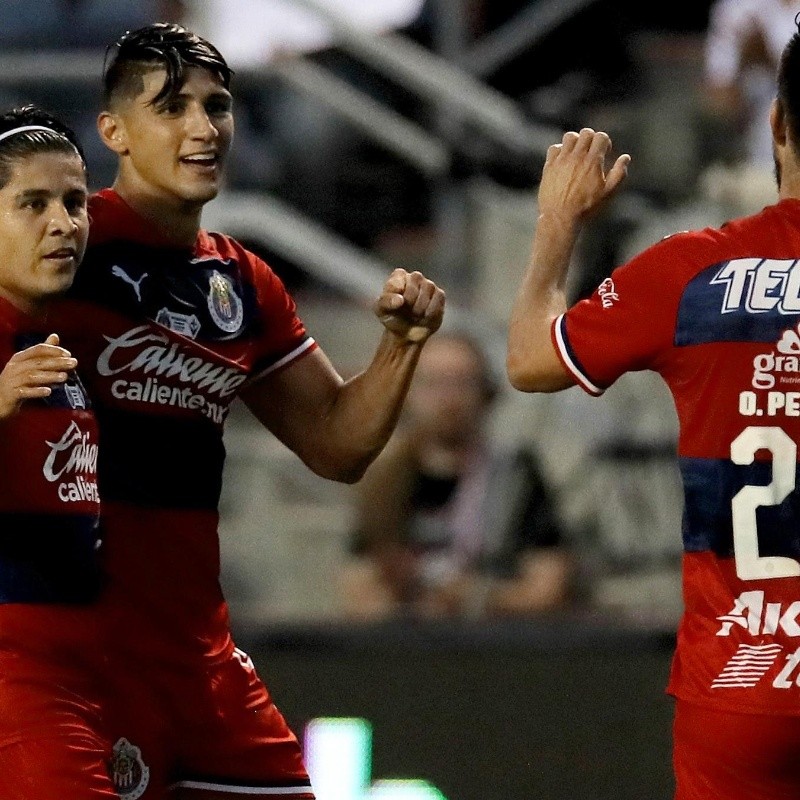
(540, 299)
(365, 412)
(366, 408)
(338, 427)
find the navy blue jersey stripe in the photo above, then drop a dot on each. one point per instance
(145, 282)
(159, 461)
(70, 394)
(49, 558)
(702, 318)
(710, 485)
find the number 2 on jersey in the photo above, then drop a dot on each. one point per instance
(749, 564)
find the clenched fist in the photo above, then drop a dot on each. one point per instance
(410, 306)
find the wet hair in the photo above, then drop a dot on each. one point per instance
(40, 132)
(789, 83)
(162, 45)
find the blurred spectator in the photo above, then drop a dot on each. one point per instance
(447, 522)
(743, 43)
(556, 81)
(48, 24)
(94, 23)
(83, 26)
(257, 31)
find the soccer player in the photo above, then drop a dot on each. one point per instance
(171, 323)
(716, 313)
(51, 740)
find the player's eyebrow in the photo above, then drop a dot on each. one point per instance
(33, 194)
(221, 95)
(45, 194)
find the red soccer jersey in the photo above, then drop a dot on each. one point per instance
(165, 337)
(717, 314)
(49, 504)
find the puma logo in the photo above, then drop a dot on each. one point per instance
(118, 272)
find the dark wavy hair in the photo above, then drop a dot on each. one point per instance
(58, 138)
(162, 45)
(789, 83)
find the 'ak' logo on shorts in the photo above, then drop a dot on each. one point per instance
(128, 771)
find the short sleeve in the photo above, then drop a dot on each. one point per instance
(283, 337)
(627, 324)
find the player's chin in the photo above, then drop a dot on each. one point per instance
(54, 285)
(202, 193)
(198, 188)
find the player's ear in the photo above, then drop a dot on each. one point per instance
(112, 132)
(777, 121)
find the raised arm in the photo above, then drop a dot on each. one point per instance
(573, 186)
(338, 427)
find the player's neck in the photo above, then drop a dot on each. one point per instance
(33, 308)
(790, 186)
(177, 222)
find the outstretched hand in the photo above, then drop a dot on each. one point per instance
(410, 306)
(574, 182)
(31, 373)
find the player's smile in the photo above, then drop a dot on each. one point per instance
(204, 162)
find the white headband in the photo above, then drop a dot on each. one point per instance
(24, 128)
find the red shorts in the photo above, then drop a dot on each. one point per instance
(718, 755)
(53, 744)
(211, 729)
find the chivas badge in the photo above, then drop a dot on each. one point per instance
(224, 304)
(128, 771)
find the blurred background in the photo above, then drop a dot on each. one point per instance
(381, 133)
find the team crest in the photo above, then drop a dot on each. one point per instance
(224, 304)
(128, 771)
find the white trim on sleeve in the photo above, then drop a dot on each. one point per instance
(567, 360)
(282, 361)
